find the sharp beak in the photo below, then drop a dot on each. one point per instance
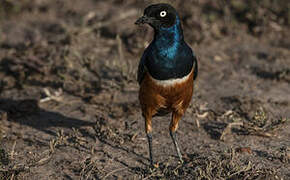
(143, 20)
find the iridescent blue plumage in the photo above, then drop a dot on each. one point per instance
(168, 56)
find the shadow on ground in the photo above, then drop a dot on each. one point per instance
(27, 112)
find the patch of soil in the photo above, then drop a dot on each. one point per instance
(69, 98)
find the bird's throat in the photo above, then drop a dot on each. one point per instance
(168, 40)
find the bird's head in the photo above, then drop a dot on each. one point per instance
(158, 16)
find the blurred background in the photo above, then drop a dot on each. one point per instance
(68, 90)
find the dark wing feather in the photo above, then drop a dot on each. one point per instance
(195, 67)
(142, 67)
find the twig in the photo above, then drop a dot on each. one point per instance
(227, 130)
(120, 50)
(44, 160)
(112, 172)
(56, 96)
(12, 176)
(197, 123)
(262, 134)
(203, 115)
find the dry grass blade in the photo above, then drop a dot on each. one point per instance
(244, 169)
(44, 160)
(120, 50)
(13, 150)
(112, 172)
(257, 131)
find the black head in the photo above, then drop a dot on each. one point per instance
(158, 15)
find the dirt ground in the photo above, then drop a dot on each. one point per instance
(68, 91)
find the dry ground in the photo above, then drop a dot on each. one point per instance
(69, 107)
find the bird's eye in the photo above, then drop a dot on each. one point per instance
(163, 13)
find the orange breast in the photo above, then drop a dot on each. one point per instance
(173, 95)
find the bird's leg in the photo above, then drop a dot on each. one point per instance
(148, 129)
(172, 129)
(149, 137)
(173, 136)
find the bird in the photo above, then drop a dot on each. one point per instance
(166, 71)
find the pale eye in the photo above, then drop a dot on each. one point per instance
(163, 13)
